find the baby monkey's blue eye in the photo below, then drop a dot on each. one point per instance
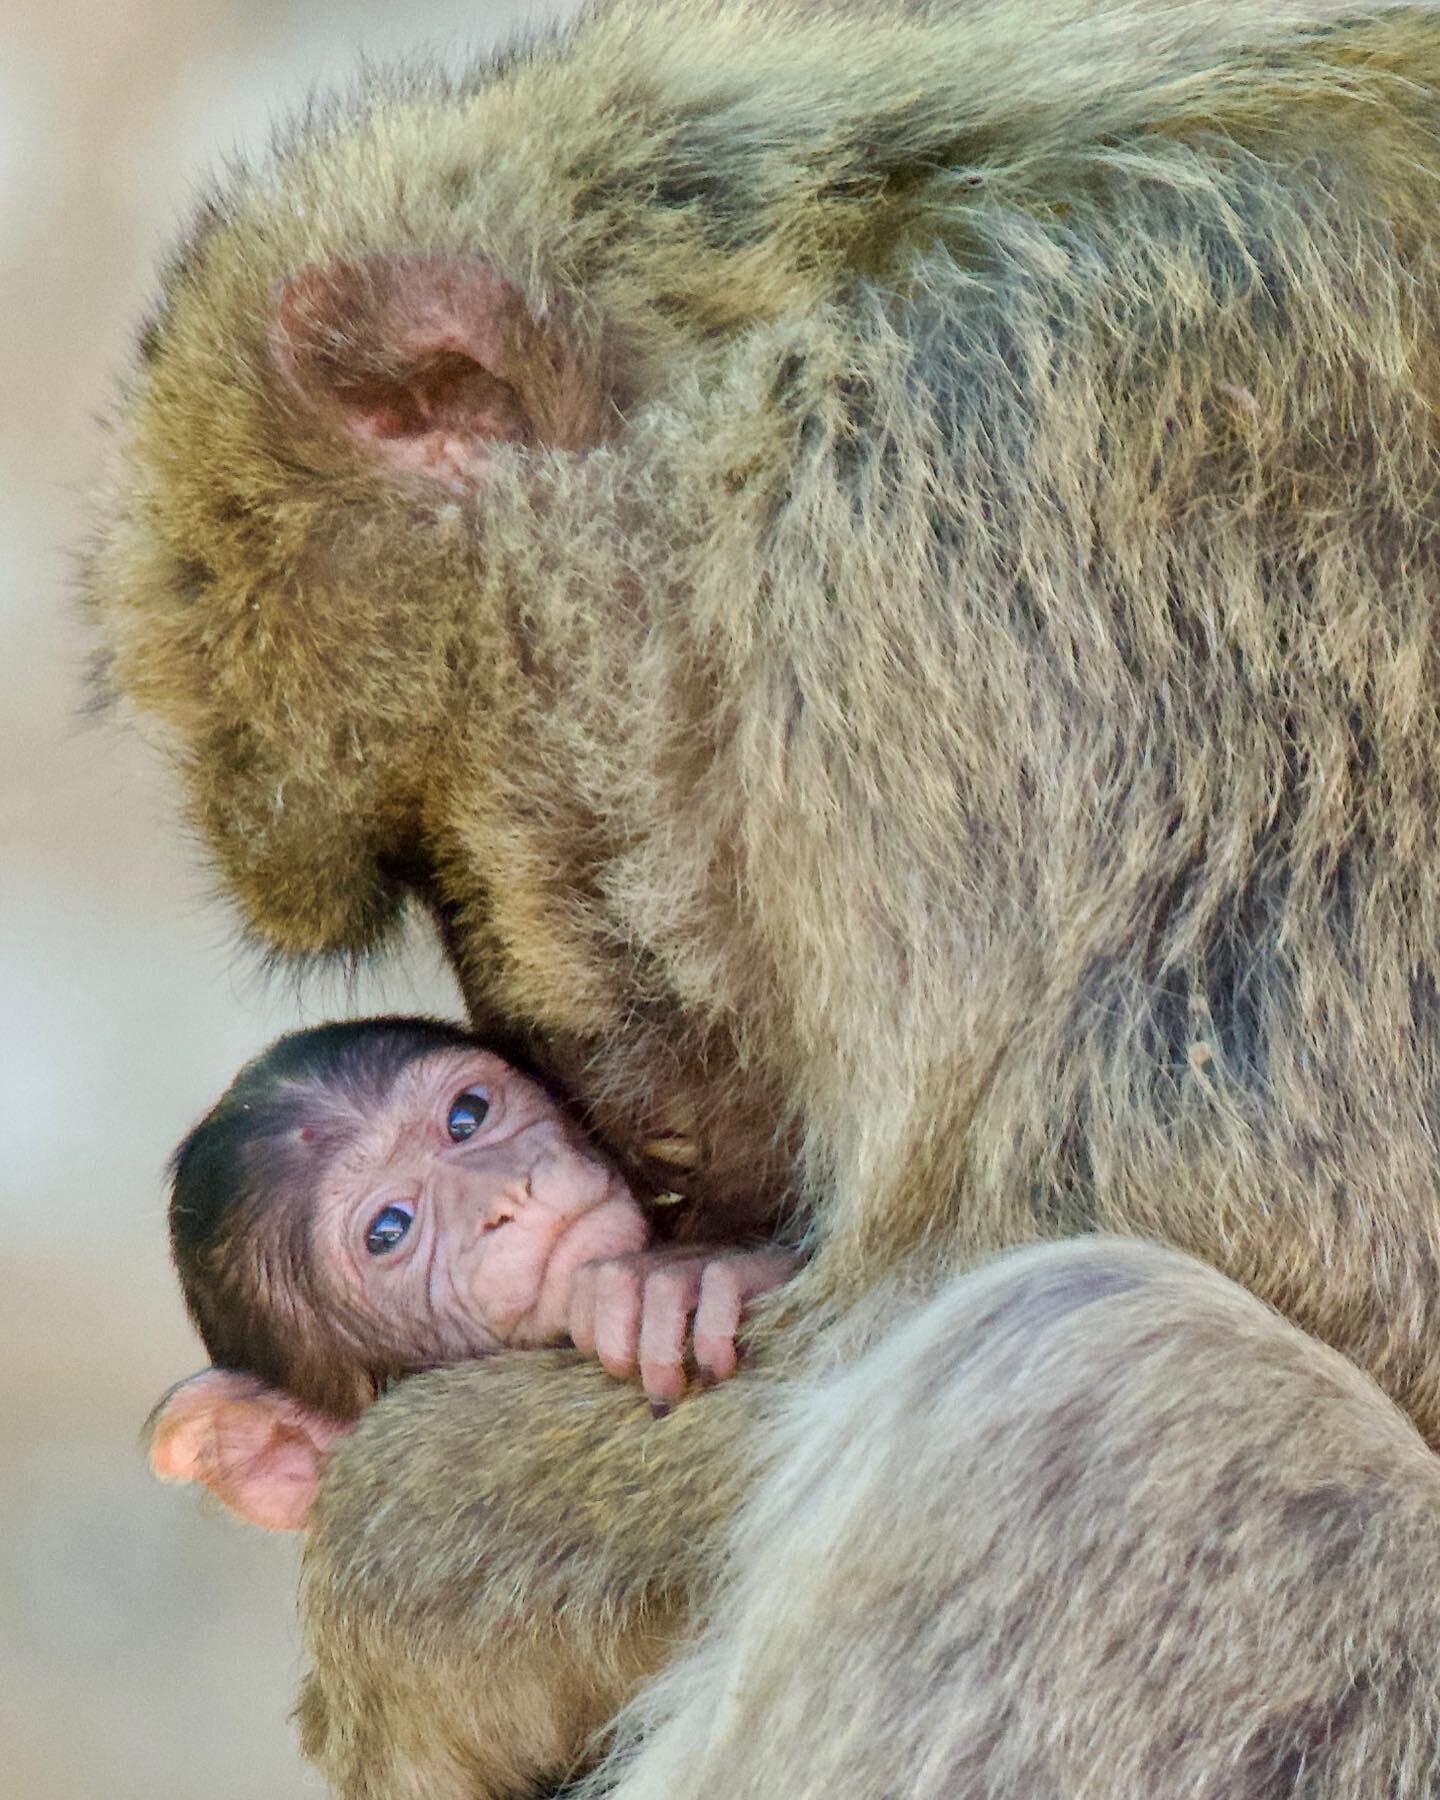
(467, 1114)
(387, 1228)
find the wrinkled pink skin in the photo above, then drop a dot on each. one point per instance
(502, 1219)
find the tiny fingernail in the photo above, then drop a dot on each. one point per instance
(659, 1409)
(708, 1378)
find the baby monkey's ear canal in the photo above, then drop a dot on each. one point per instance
(428, 361)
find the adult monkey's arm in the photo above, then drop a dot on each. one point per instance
(565, 1538)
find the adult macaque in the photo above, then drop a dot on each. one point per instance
(875, 569)
(385, 1195)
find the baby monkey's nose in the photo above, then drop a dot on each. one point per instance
(505, 1202)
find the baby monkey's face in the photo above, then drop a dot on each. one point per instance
(455, 1219)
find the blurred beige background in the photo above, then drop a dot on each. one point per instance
(147, 1647)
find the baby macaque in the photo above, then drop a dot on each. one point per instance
(376, 1197)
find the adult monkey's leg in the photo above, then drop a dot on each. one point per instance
(1095, 1524)
(567, 1537)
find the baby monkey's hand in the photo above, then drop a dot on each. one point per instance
(636, 1312)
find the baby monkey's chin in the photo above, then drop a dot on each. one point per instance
(615, 1226)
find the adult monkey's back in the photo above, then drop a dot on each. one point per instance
(876, 573)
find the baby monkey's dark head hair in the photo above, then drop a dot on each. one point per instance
(241, 1186)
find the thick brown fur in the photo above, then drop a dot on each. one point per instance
(959, 759)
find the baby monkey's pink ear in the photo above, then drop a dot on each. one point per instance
(260, 1451)
(428, 360)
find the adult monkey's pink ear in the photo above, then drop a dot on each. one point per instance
(429, 360)
(260, 1451)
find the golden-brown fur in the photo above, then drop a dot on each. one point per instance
(960, 757)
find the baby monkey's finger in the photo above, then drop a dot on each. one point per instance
(670, 1296)
(717, 1320)
(618, 1288)
(729, 1283)
(582, 1307)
